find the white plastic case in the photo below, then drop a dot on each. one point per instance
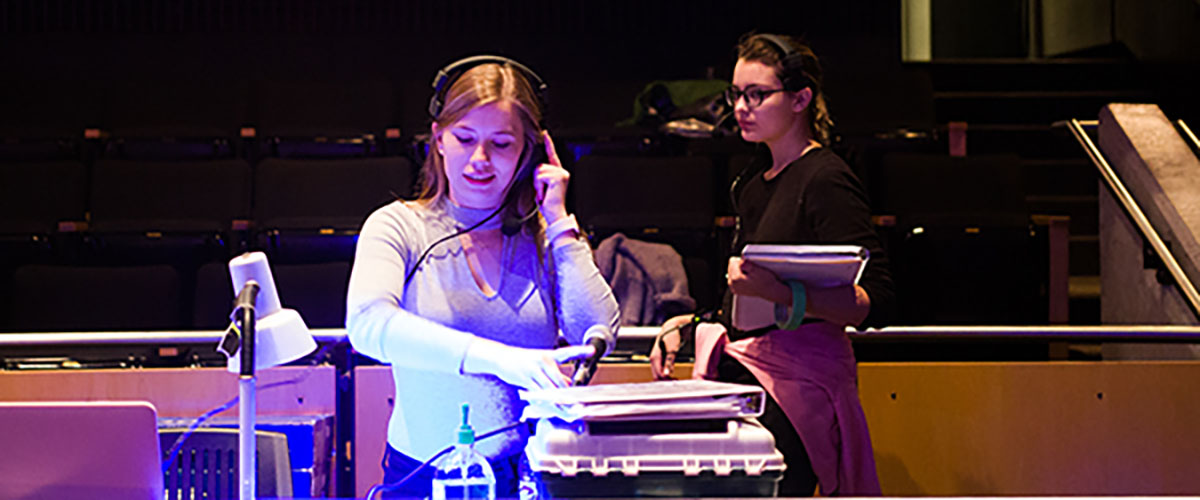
(666, 458)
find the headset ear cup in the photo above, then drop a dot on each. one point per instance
(435, 107)
(538, 155)
(440, 81)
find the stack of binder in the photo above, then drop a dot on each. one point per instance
(816, 266)
(687, 438)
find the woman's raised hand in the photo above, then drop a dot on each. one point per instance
(662, 357)
(550, 184)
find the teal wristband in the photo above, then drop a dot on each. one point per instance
(796, 316)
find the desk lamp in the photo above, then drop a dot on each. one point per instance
(269, 335)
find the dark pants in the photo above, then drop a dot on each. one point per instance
(799, 480)
(397, 465)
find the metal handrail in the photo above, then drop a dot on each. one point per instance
(1136, 215)
(1187, 133)
(1144, 333)
(139, 337)
(1097, 333)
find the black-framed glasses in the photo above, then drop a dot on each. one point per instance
(754, 96)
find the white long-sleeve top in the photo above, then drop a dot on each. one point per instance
(424, 329)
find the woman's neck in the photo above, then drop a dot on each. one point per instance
(788, 149)
(781, 158)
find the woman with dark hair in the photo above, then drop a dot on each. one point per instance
(796, 191)
(464, 291)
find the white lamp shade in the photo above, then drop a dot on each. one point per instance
(279, 338)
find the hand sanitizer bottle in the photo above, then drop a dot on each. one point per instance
(464, 473)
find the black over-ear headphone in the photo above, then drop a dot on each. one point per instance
(794, 76)
(448, 75)
(442, 82)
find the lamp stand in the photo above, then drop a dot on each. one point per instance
(247, 407)
(247, 445)
(285, 339)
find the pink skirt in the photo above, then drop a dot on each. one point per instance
(811, 372)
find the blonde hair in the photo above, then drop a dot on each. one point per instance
(480, 86)
(756, 47)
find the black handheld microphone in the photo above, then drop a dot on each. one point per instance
(602, 340)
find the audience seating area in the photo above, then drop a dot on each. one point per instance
(133, 231)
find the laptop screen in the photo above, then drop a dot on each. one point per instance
(97, 449)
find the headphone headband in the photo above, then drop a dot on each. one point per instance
(449, 74)
(795, 78)
(779, 42)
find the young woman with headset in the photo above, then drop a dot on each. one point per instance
(464, 290)
(796, 191)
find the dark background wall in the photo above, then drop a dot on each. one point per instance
(67, 64)
(221, 63)
(309, 68)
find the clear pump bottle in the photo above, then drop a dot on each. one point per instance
(464, 473)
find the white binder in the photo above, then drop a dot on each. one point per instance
(817, 266)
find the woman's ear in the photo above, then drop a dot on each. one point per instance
(804, 97)
(437, 138)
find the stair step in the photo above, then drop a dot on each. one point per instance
(1034, 107)
(1058, 177)
(1084, 311)
(1062, 199)
(1084, 251)
(1041, 141)
(1085, 287)
(1082, 209)
(1038, 94)
(1042, 74)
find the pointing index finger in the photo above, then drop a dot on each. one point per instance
(551, 154)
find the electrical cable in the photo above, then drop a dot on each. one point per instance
(417, 264)
(379, 488)
(525, 171)
(696, 319)
(229, 404)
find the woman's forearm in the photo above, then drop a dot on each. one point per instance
(584, 298)
(843, 305)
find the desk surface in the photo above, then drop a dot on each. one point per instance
(944, 428)
(1112, 333)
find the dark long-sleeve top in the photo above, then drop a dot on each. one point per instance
(815, 200)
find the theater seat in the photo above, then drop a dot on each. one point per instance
(317, 291)
(635, 193)
(657, 199)
(311, 210)
(34, 198)
(212, 302)
(963, 248)
(176, 212)
(70, 298)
